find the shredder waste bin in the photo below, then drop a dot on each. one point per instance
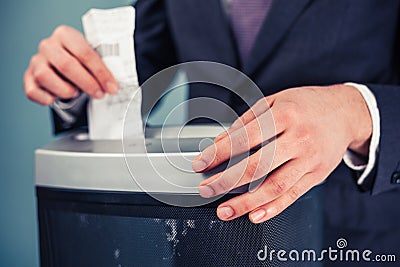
(93, 213)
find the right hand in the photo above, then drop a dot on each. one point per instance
(66, 63)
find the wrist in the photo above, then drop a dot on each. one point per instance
(358, 118)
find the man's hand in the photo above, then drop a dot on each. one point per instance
(314, 126)
(64, 64)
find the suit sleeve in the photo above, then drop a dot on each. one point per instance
(154, 46)
(388, 161)
(154, 51)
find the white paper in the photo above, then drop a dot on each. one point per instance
(110, 33)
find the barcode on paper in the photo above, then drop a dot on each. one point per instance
(106, 50)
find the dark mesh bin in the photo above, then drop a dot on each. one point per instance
(92, 213)
(84, 228)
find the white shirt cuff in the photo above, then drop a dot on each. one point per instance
(353, 160)
(67, 109)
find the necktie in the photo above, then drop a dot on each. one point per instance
(247, 17)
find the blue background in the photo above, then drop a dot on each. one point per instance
(26, 126)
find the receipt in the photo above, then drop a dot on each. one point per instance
(110, 33)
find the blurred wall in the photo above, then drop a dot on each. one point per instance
(25, 126)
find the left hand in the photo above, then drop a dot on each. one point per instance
(314, 126)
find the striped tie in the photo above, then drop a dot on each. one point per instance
(247, 17)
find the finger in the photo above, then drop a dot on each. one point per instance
(275, 207)
(256, 110)
(47, 79)
(34, 92)
(277, 184)
(249, 169)
(77, 45)
(251, 135)
(70, 68)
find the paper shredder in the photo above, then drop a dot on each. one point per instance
(93, 213)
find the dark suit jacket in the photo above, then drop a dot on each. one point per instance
(301, 42)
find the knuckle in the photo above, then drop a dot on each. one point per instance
(262, 101)
(65, 65)
(245, 206)
(223, 184)
(205, 154)
(238, 123)
(90, 89)
(61, 30)
(290, 114)
(102, 74)
(251, 169)
(313, 154)
(294, 193)
(87, 54)
(254, 128)
(283, 148)
(242, 142)
(40, 74)
(269, 100)
(211, 154)
(265, 122)
(30, 92)
(27, 76)
(47, 101)
(34, 60)
(214, 159)
(278, 185)
(67, 93)
(303, 132)
(321, 166)
(263, 167)
(64, 94)
(44, 45)
(295, 172)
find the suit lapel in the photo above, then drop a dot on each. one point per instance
(281, 17)
(217, 30)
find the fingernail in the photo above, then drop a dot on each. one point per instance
(199, 165)
(257, 215)
(225, 212)
(112, 88)
(99, 94)
(206, 191)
